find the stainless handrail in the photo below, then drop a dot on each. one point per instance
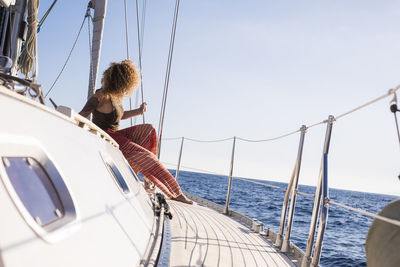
(285, 246)
(321, 192)
(293, 180)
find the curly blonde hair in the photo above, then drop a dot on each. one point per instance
(120, 79)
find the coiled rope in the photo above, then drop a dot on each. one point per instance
(28, 57)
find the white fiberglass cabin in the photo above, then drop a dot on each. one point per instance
(67, 195)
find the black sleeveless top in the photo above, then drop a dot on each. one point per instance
(105, 120)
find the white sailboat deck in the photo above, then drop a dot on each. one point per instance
(201, 236)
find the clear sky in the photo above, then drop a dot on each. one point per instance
(254, 69)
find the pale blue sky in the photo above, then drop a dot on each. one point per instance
(254, 69)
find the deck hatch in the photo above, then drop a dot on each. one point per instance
(34, 188)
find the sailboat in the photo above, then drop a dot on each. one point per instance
(68, 196)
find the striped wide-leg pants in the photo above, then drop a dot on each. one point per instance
(139, 146)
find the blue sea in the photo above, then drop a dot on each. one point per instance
(344, 240)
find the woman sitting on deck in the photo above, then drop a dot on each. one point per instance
(137, 143)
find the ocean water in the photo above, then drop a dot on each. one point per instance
(345, 235)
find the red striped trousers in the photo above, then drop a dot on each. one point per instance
(139, 146)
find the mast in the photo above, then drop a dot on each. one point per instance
(99, 7)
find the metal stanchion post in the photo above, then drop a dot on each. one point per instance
(317, 201)
(286, 240)
(226, 208)
(179, 159)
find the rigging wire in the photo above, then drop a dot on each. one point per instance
(90, 53)
(142, 27)
(69, 55)
(45, 15)
(143, 23)
(126, 30)
(140, 54)
(167, 76)
(127, 49)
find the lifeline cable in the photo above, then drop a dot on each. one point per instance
(390, 92)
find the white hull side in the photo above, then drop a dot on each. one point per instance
(111, 228)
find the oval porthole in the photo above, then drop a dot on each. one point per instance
(37, 188)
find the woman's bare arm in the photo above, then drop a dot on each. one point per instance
(90, 106)
(134, 112)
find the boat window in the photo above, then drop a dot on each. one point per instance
(117, 176)
(132, 172)
(34, 188)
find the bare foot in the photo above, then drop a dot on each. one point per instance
(182, 198)
(148, 186)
